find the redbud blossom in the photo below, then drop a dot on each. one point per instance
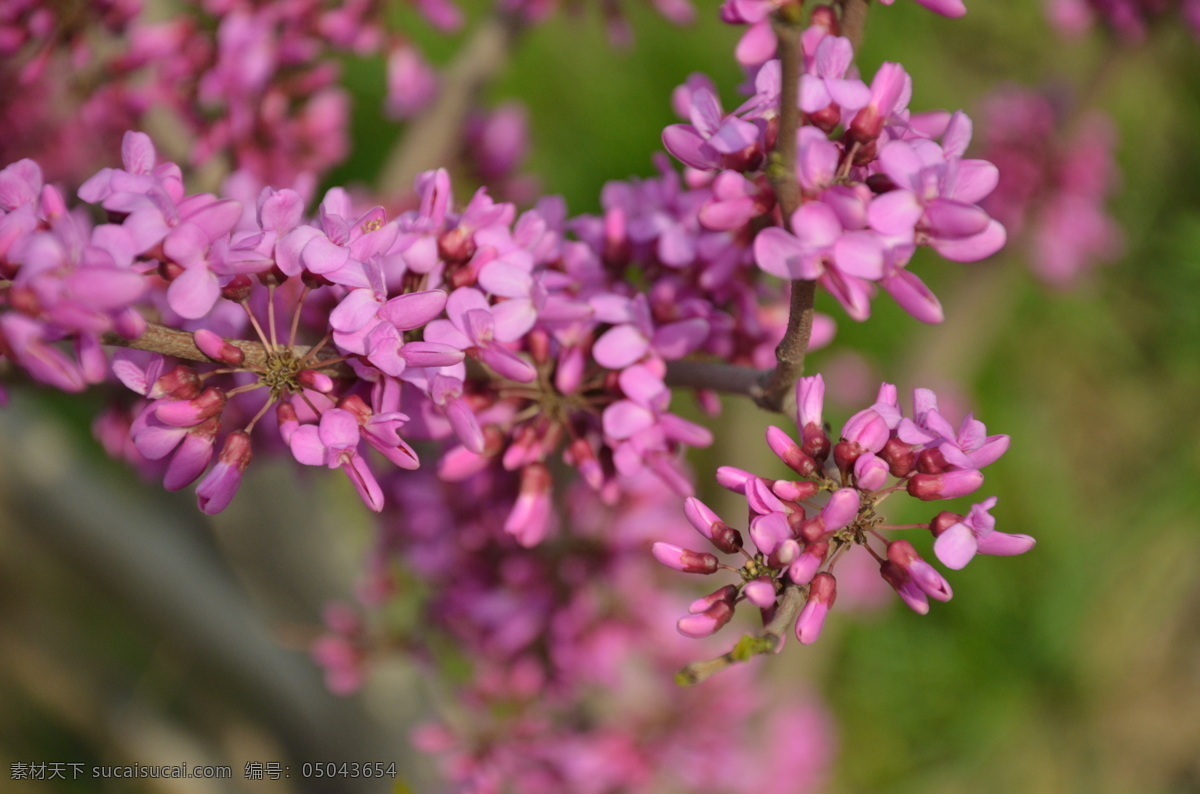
(217, 489)
(684, 560)
(217, 348)
(707, 622)
(821, 595)
(949, 485)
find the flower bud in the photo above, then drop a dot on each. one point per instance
(217, 489)
(187, 413)
(181, 383)
(317, 381)
(684, 560)
(845, 453)
(701, 516)
(840, 510)
(768, 531)
(932, 461)
(733, 478)
(238, 288)
(706, 622)
(870, 472)
(785, 553)
(902, 554)
(949, 485)
(805, 567)
(727, 594)
(899, 457)
(529, 520)
(760, 592)
(285, 415)
(792, 491)
(217, 348)
(790, 453)
(908, 591)
(821, 595)
(815, 443)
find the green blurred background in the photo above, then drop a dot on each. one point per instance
(1075, 668)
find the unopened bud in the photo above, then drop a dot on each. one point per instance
(793, 491)
(931, 461)
(805, 567)
(727, 594)
(870, 472)
(707, 622)
(217, 348)
(187, 413)
(238, 288)
(181, 383)
(456, 246)
(844, 455)
(317, 381)
(824, 16)
(816, 442)
(821, 595)
(790, 453)
(685, 560)
(949, 485)
(760, 592)
(899, 456)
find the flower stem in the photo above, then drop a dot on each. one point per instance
(770, 640)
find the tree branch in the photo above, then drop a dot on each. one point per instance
(180, 344)
(853, 18)
(789, 355)
(716, 375)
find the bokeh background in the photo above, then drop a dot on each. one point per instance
(132, 628)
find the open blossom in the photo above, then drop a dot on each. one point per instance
(875, 181)
(960, 538)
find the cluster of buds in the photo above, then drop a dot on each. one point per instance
(797, 542)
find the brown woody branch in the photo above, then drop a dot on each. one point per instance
(180, 344)
(789, 355)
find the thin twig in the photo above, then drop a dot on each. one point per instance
(769, 640)
(716, 375)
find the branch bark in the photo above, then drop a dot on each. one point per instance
(789, 355)
(180, 344)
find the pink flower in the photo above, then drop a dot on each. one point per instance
(959, 542)
(819, 247)
(936, 195)
(334, 443)
(483, 329)
(713, 140)
(217, 489)
(821, 595)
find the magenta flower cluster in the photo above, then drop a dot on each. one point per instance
(1053, 185)
(569, 657)
(797, 540)
(876, 180)
(500, 386)
(494, 332)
